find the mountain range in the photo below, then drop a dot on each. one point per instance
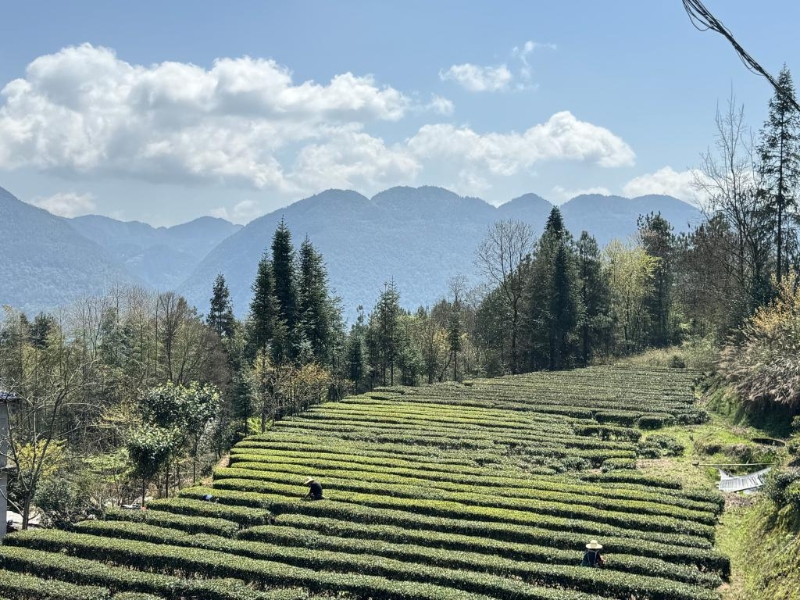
(418, 237)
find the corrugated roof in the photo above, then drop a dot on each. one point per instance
(743, 483)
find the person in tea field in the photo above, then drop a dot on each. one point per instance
(592, 556)
(314, 489)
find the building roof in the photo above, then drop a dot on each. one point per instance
(8, 396)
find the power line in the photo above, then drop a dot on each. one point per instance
(703, 20)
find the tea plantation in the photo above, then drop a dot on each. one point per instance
(485, 490)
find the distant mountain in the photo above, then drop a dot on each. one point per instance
(417, 236)
(45, 263)
(529, 208)
(614, 217)
(161, 257)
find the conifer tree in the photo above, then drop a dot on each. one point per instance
(264, 312)
(384, 321)
(594, 297)
(658, 241)
(553, 305)
(314, 312)
(454, 331)
(780, 165)
(220, 316)
(285, 281)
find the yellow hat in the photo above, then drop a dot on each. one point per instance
(309, 480)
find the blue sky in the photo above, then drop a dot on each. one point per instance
(163, 112)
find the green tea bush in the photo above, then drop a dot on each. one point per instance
(655, 421)
(615, 464)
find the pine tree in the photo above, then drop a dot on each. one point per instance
(315, 311)
(780, 164)
(264, 314)
(454, 331)
(553, 306)
(384, 321)
(594, 297)
(220, 316)
(241, 403)
(658, 241)
(285, 281)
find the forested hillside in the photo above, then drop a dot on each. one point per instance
(366, 242)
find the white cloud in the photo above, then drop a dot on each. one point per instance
(84, 110)
(242, 213)
(476, 78)
(353, 159)
(441, 106)
(522, 54)
(562, 137)
(680, 184)
(67, 204)
(561, 194)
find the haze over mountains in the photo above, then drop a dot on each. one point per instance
(417, 236)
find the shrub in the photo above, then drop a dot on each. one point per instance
(615, 464)
(656, 446)
(655, 421)
(676, 362)
(777, 485)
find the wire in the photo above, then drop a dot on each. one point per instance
(703, 20)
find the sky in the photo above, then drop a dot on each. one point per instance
(166, 111)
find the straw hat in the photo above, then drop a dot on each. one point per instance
(594, 545)
(309, 480)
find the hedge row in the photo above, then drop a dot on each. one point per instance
(245, 515)
(17, 586)
(490, 483)
(528, 512)
(606, 581)
(566, 535)
(522, 499)
(196, 560)
(463, 552)
(454, 435)
(190, 524)
(73, 570)
(648, 555)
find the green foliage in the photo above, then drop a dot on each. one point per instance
(220, 315)
(780, 486)
(657, 446)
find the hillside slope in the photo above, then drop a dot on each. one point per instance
(419, 237)
(440, 492)
(161, 257)
(45, 263)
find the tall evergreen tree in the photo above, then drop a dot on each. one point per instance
(780, 164)
(553, 305)
(594, 297)
(220, 316)
(384, 321)
(285, 280)
(454, 332)
(658, 241)
(355, 357)
(264, 310)
(315, 310)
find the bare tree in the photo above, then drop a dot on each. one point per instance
(501, 257)
(730, 180)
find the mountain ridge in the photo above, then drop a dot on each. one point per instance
(419, 237)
